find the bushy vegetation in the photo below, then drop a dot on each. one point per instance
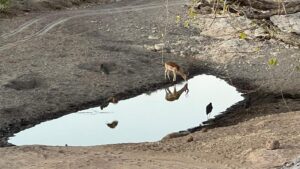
(4, 5)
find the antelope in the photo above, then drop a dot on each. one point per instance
(176, 69)
(113, 100)
(176, 94)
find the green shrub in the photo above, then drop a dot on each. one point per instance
(4, 4)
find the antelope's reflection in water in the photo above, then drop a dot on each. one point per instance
(171, 96)
(113, 124)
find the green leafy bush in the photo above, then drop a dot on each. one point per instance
(4, 4)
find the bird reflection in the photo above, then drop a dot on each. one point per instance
(113, 100)
(209, 108)
(104, 69)
(171, 96)
(113, 124)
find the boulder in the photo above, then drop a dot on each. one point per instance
(287, 23)
(159, 46)
(295, 164)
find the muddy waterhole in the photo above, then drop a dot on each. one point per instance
(144, 118)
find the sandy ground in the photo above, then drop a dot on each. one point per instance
(50, 66)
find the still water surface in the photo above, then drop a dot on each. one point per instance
(139, 119)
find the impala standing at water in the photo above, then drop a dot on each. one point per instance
(176, 69)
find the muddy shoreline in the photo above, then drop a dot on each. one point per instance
(233, 115)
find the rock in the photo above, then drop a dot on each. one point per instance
(204, 130)
(295, 164)
(272, 144)
(182, 53)
(153, 37)
(287, 23)
(202, 7)
(101, 67)
(149, 47)
(154, 30)
(222, 28)
(176, 134)
(159, 46)
(260, 32)
(190, 139)
(194, 50)
(234, 45)
(25, 82)
(198, 38)
(173, 51)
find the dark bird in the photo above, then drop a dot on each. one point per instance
(247, 102)
(209, 108)
(104, 69)
(112, 125)
(103, 105)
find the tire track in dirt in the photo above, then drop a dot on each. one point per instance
(102, 12)
(75, 14)
(20, 28)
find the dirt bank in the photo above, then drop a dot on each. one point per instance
(50, 66)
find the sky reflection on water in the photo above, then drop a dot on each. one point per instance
(139, 119)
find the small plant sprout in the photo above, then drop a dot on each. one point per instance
(243, 35)
(186, 24)
(273, 62)
(178, 19)
(191, 13)
(257, 49)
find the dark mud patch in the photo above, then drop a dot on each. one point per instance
(100, 67)
(25, 82)
(122, 48)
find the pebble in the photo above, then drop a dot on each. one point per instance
(153, 37)
(190, 139)
(272, 144)
(159, 46)
(204, 130)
